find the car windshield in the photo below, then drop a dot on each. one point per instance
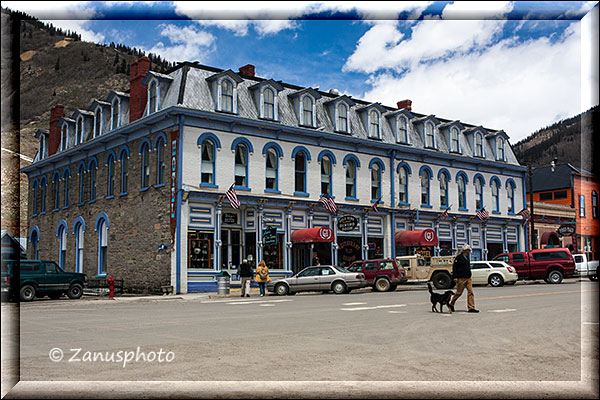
(340, 269)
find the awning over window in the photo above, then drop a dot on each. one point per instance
(426, 237)
(550, 237)
(313, 235)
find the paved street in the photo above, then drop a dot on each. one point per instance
(526, 332)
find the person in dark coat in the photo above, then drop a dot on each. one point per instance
(461, 272)
(246, 274)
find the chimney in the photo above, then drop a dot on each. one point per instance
(247, 70)
(56, 113)
(138, 93)
(405, 104)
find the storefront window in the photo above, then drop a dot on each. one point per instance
(349, 250)
(375, 248)
(200, 249)
(273, 255)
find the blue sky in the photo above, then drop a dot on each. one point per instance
(516, 66)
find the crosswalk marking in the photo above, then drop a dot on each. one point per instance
(373, 308)
(506, 310)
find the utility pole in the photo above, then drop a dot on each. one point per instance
(533, 241)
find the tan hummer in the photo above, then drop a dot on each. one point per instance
(439, 270)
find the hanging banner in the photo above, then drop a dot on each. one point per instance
(174, 138)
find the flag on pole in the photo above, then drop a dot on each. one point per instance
(444, 214)
(374, 205)
(328, 203)
(483, 214)
(232, 197)
(524, 213)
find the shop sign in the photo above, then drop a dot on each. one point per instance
(566, 230)
(230, 218)
(269, 236)
(347, 223)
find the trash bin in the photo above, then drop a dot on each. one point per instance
(223, 282)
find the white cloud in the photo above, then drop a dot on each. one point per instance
(477, 9)
(186, 43)
(517, 87)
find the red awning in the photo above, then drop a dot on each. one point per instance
(313, 235)
(550, 234)
(426, 237)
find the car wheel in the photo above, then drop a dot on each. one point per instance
(338, 287)
(393, 287)
(55, 296)
(495, 280)
(555, 277)
(281, 289)
(382, 285)
(27, 293)
(75, 291)
(441, 280)
(593, 278)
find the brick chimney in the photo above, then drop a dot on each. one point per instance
(405, 104)
(56, 113)
(138, 93)
(247, 70)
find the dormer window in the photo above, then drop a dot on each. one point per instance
(342, 117)
(454, 144)
(402, 129)
(374, 131)
(268, 104)
(42, 149)
(80, 130)
(116, 120)
(224, 88)
(429, 135)
(152, 97)
(64, 137)
(478, 145)
(226, 96)
(307, 105)
(98, 122)
(499, 149)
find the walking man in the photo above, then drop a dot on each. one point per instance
(246, 275)
(461, 272)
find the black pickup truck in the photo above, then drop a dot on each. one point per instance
(27, 279)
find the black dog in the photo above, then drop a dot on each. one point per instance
(440, 298)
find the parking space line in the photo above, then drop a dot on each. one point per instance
(506, 310)
(353, 304)
(373, 308)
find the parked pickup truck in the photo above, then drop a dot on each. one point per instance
(439, 270)
(39, 278)
(583, 267)
(550, 264)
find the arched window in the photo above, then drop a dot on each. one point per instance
(510, 195)
(478, 145)
(43, 184)
(342, 117)
(78, 231)
(375, 182)
(272, 164)
(454, 145)
(80, 132)
(429, 135)
(102, 229)
(62, 246)
(34, 188)
(124, 172)
(402, 129)
(64, 137)
(160, 161)
(81, 173)
(34, 238)
(307, 111)
(300, 172)
(115, 114)
(326, 175)
(145, 164)
(241, 165)
(110, 176)
(444, 190)
(500, 149)
(462, 192)
(374, 124)
(595, 204)
(153, 98)
(425, 177)
(226, 96)
(495, 197)
(403, 185)
(350, 179)
(92, 169)
(98, 122)
(207, 172)
(478, 194)
(66, 179)
(268, 104)
(56, 181)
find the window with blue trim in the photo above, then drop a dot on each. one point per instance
(307, 111)
(462, 192)
(34, 188)
(268, 104)
(326, 175)
(152, 97)
(110, 180)
(207, 166)
(115, 114)
(300, 172)
(444, 190)
(226, 96)
(62, 246)
(425, 178)
(80, 130)
(35, 241)
(403, 185)
(56, 181)
(67, 178)
(64, 137)
(102, 246)
(342, 117)
(98, 122)
(402, 134)
(350, 179)
(454, 144)
(429, 135)
(272, 165)
(160, 161)
(43, 184)
(145, 165)
(595, 204)
(124, 172)
(478, 145)
(92, 181)
(374, 124)
(241, 165)
(81, 173)
(375, 182)
(79, 247)
(510, 194)
(478, 194)
(495, 196)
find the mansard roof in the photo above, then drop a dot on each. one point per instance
(152, 74)
(309, 90)
(367, 108)
(270, 82)
(229, 73)
(345, 98)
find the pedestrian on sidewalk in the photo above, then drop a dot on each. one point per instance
(461, 272)
(246, 274)
(262, 277)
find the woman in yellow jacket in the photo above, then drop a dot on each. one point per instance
(262, 277)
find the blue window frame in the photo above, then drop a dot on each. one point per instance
(145, 165)
(226, 95)
(350, 180)
(102, 226)
(241, 166)
(495, 187)
(61, 232)
(461, 181)
(78, 231)
(272, 171)
(479, 182)
(64, 137)
(300, 173)
(375, 181)
(326, 172)
(444, 178)
(307, 111)
(56, 181)
(342, 117)
(425, 174)
(429, 134)
(160, 160)
(34, 239)
(478, 145)
(34, 188)
(402, 129)
(207, 167)
(110, 178)
(43, 184)
(403, 173)
(92, 169)
(374, 125)
(66, 179)
(124, 157)
(268, 104)
(152, 97)
(116, 104)
(81, 173)
(454, 140)
(510, 195)
(98, 122)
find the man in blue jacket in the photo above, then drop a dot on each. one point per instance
(461, 272)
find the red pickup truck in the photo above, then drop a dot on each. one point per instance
(550, 264)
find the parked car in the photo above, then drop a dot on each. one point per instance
(27, 279)
(322, 278)
(494, 273)
(584, 267)
(550, 264)
(382, 275)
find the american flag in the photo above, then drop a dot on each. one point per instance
(328, 203)
(374, 205)
(444, 214)
(483, 214)
(524, 213)
(232, 197)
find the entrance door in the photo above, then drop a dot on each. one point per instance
(299, 257)
(231, 248)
